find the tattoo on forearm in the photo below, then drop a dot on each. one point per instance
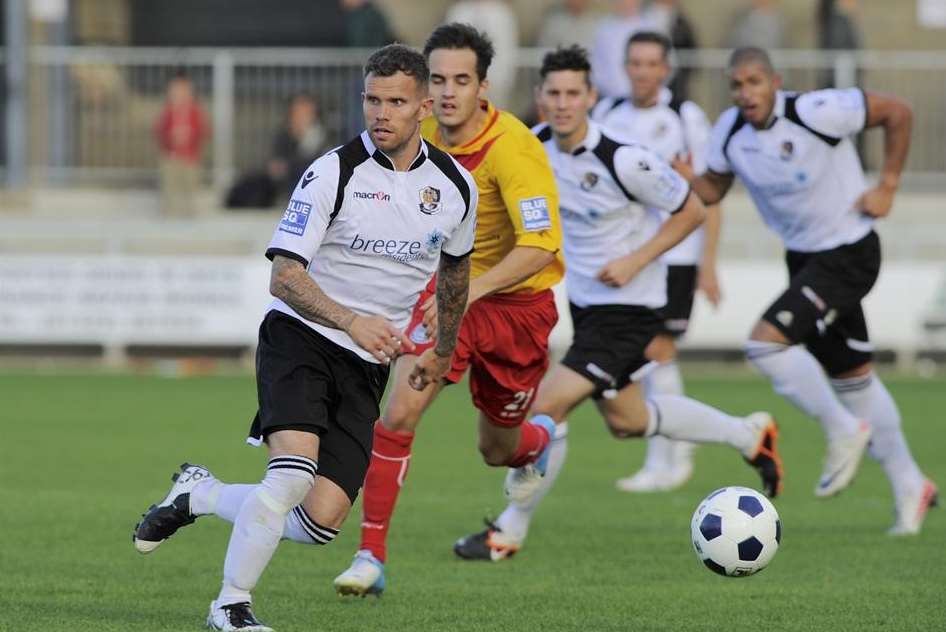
(292, 284)
(453, 286)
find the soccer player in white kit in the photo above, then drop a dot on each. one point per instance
(795, 155)
(611, 198)
(654, 117)
(351, 255)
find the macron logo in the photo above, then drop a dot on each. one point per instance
(380, 196)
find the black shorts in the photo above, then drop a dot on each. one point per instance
(306, 382)
(609, 343)
(681, 288)
(822, 306)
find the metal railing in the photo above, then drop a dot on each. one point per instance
(93, 109)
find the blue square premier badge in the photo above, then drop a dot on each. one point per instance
(535, 214)
(296, 217)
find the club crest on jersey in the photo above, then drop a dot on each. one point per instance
(787, 150)
(589, 181)
(660, 130)
(429, 200)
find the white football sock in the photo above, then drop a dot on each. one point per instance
(682, 453)
(797, 376)
(514, 521)
(206, 498)
(868, 398)
(659, 456)
(229, 499)
(260, 522)
(682, 418)
(662, 453)
(663, 379)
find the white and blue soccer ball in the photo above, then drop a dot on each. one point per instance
(736, 531)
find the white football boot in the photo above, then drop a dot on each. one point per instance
(842, 460)
(911, 509)
(364, 577)
(668, 466)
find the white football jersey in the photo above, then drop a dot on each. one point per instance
(370, 236)
(611, 197)
(671, 128)
(802, 171)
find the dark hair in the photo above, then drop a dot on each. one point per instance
(649, 37)
(749, 55)
(457, 36)
(394, 58)
(572, 58)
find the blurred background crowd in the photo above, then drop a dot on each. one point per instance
(131, 92)
(159, 129)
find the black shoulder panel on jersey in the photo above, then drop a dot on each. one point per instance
(617, 103)
(605, 151)
(736, 126)
(791, 113)
(676, 104)
(545, 134)
(449, 168)
(350, 156)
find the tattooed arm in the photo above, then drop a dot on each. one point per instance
(290, 283)
(453, 286)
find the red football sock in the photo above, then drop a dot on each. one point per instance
(390, 457)
(532, 440)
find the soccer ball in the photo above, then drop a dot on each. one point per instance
(736, 531)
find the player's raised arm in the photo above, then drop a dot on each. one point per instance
(896, 117)
(713, 184)
(651, 180)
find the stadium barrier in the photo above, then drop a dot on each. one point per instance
(117, 305)
(93, 108)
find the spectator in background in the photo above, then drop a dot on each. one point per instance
(297, 144)
(760, 25)
(838, 30)
(497, 19)
(299, 141)
(666, 17)
(181, 130)
(366, 26)
(610, 47)
(570, 22)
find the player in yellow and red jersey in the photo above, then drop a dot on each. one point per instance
(516, 259)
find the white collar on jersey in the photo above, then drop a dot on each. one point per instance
(382, 158)
(778, 110)
(590, 141)
(665, 96)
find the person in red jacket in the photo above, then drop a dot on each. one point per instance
(181, 130)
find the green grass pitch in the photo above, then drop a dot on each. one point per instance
(82, 456)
